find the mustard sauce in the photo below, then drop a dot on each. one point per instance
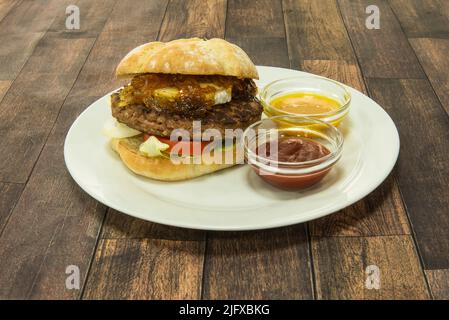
(305, 103)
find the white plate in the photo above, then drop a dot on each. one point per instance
(236, 198)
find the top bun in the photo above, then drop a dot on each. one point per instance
(193, 56)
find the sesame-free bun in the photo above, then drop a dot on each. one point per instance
(160, 168)
(193, 56)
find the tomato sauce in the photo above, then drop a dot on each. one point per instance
(293, 150)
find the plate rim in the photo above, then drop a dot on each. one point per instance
(259, 226)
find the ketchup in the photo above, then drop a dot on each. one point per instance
(292, 150)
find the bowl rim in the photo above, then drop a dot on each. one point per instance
(322, 162)
(343, 107)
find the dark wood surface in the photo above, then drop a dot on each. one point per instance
(49, 75)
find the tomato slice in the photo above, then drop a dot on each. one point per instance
(183, 145)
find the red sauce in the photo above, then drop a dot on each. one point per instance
(293, 150)
(290, 150)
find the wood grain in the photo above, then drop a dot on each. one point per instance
(15, 51)
(93, 15)
(9, 194)
(6, 6)
(433, 55)
(271, 264)
(422, 169)
(193, 18)
(380, 213)
(342, 71)
(383, 53)
(340, 265)
(146, 269)
(439, 283)
(120, 226)
(315, 31)
(423, 18)
(32, 16)
(258, 28)
(30, 107)
(143, 17)
(20, 31)
(4, 87)
(55, 223)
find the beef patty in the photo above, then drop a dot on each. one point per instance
(236, 114)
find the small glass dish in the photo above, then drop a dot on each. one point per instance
(285, 174)
(310, 84)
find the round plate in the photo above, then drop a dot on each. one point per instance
(235, 198)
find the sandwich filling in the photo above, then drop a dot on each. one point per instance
(157, 104)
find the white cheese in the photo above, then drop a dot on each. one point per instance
(222, 96)
(152, 147)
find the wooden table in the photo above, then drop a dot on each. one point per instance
(49, 75)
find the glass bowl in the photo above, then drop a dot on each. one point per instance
(307, 84)
(291, 175)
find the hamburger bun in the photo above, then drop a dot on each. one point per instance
(160, 168)
(193, 56)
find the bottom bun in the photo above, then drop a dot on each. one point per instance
(160, 168)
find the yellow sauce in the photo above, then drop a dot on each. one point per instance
(305, 103)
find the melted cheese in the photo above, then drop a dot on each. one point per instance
(219, 96)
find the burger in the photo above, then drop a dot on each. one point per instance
(183, 98)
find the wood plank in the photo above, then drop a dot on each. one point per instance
(29, 109)
(6, 6)
(4, 87)
(55, 224)
(439, 283)
(423, 18)
(32, 16)
(340, 264)
(146, 269)
(21, 30)
(32, 104)
(93, 15)
(382, 212)
(422, 170)
(382, 53)
(258, 28)
(120, 226)
(28, 21)
(44, 236)
(9, 194)
(315, 31)
(342, 71)
(433, 55)
(271, 264)
(145, 20)
(193, 18)
(15, 51)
